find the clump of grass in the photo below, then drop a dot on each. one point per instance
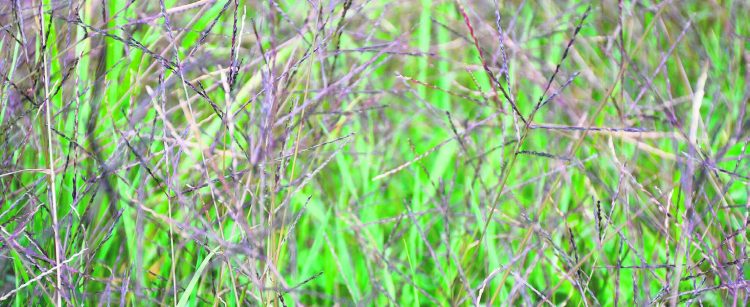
(435, 152)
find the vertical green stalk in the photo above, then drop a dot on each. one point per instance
(423, 41)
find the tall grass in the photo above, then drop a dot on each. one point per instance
(375, 152)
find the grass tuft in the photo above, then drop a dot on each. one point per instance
(432, 152)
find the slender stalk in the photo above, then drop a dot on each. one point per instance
(52, 193)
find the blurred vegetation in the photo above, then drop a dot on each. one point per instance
(432, 152)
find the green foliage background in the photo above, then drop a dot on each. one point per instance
(220, 152)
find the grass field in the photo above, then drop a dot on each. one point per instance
(374, 152)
